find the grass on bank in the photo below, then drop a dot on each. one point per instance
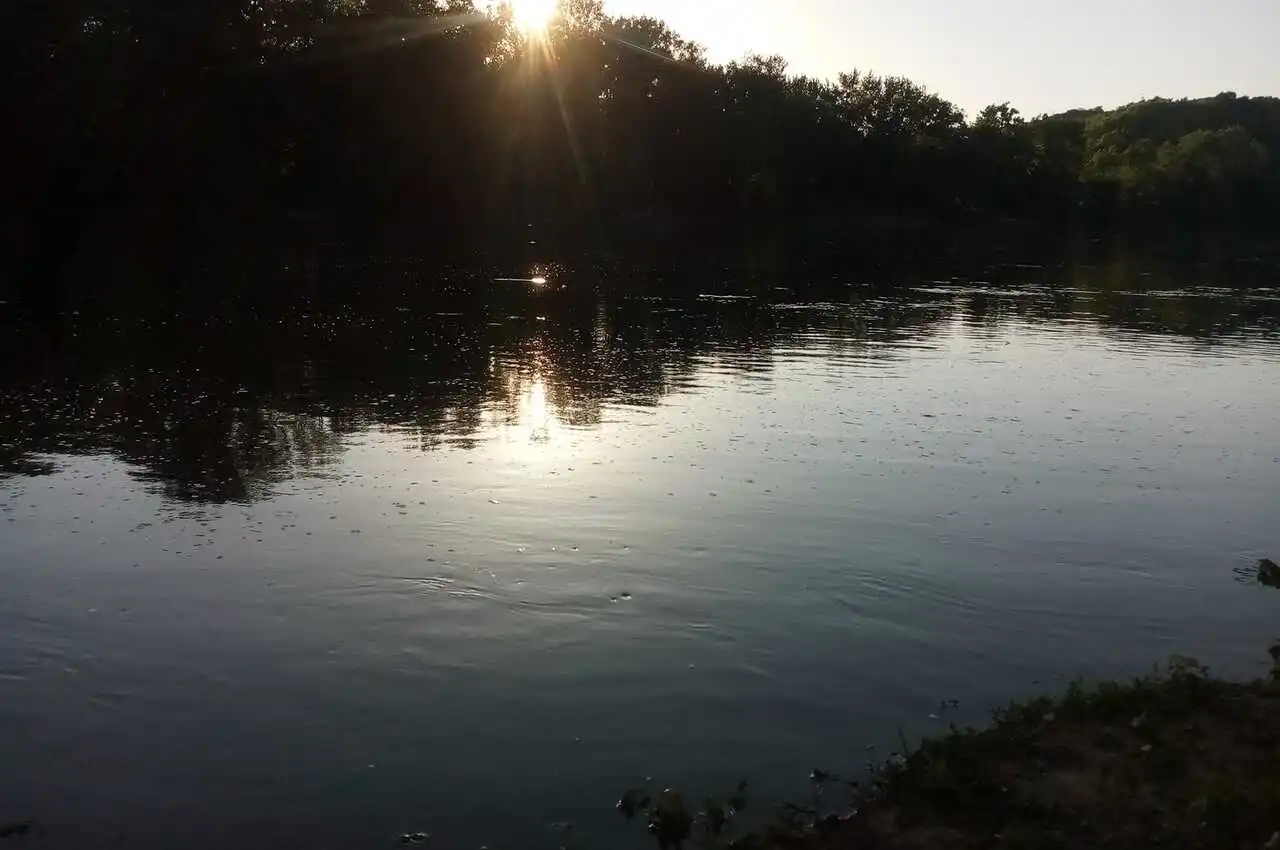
(1177, 759)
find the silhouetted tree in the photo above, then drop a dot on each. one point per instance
(137, 120)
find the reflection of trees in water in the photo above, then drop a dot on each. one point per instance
(225, 409)
(241, 457)
(191, 443)
(1123, 295)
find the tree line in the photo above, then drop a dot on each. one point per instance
(370, 111)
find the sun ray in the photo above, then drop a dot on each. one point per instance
(533, 17)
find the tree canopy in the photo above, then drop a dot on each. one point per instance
(380, 110)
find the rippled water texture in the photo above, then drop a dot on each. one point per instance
(478, 563)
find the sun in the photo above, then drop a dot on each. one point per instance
(533, 17)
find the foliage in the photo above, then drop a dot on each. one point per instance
(1176, 760)
(386, 110)
(672, 824)
(1268, 573)
(1264, 571)
(1212, 156)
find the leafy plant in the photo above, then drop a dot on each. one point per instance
(1265, 572)
(672, 824)
(1269, 573)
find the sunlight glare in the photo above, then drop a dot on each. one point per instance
(535, 412)
(533, 16)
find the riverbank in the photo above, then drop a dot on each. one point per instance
(1176, 759)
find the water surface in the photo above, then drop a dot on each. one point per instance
(478, 562)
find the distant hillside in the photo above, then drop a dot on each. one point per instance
(1223, 149)
(379, 116)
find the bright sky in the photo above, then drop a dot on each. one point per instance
(1041, 55)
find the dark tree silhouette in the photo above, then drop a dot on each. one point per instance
(156, 126)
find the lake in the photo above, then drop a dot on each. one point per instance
(476, 562)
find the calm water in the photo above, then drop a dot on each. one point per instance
(477, 563)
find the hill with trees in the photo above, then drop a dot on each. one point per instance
(366, 112)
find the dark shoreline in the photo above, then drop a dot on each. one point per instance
(1178, 759)
(1175, 759)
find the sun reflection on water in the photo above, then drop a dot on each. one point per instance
(535, 412)
(526, 412)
